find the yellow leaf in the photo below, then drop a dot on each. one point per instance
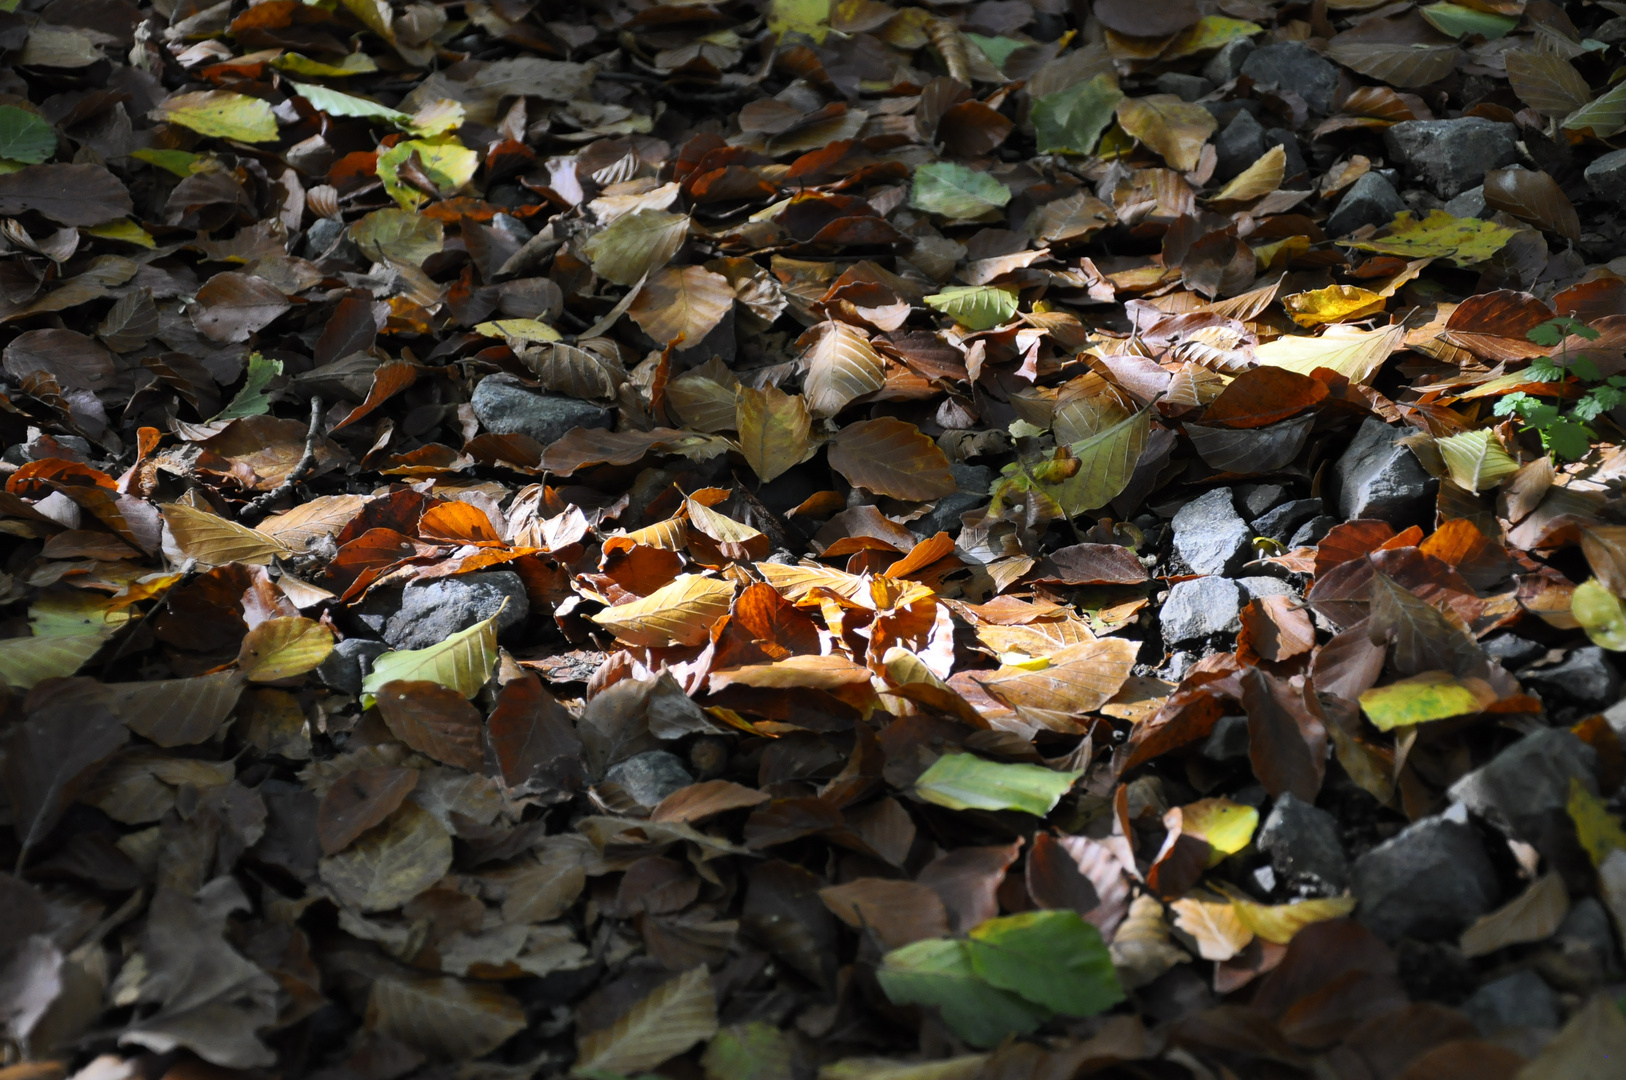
(462, 662)
(1260, 178)
(1227, 826)
(679, 613)
(1432, 695)
(447, 163)
(1335, 303)
(810, 17)
(123, 230)
(1174, 129)
(1465, 241)
(774, 428)
(282, 648)
(1355, 354)
(1597, 829)
(1601, 614)
(518, 330)
(214, 541)
(222, 114)
(1278, 923)
(357, 63)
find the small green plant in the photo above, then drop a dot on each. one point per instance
(1565, 436)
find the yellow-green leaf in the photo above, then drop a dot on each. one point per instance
(357, 63)
(518, 329)
(1465, 241)
(283, 648)
(1476, 459)
(1227, 826)
(462, 662)
(1597, 829)
(1601, 614)
(1105, 463)
(1432, 695)
(975, 307)
(222, 114)
(810, 17)
(446, 162)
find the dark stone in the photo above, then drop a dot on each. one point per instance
(348, 664)
(1430, 881)
(1209, 534)
(432, 611)
(1185, 87)
(1370, 200)
(1312, 531)
(1257, 499)
(1512, 651)
(506, 406)
(1585, 677)
(1228, 740)
(1227, 63)
(1585, 944)
(1282, 522)
(973, 481)
(1470, 204)
(329, 239)
(1451, 156)
(1607, 177)
(1521, 999)
(1200, 607)
(1240, 143)
(1293, 164)
(649, 777)
(1302, 842)
(1530, 777)
(1379, 478)
(1294, 66)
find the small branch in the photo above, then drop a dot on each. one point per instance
(256, 509)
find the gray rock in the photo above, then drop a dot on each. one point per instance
(1616, 716)
(1521, 999)
(1370, 200)
(1302, 842)
(432, 611)
(1586, 941)
(1227, 63)
(1260, 585)
(973, 481)
(1312, 531)
(1228, 740)
(1185, 87)
(1379, 478)
(1294, 66)
(1585, 677)
(1470, 204)
(1239, 144)
(1512, 651)
(348, 664)
(506, 406)
(1209, 534)
(1282, 522)
(649, 777)
(329, 238)
(1429, 881)
(1258, 499)
(1607, 177)
(1451, 156)
(1293, 165)
(1532, 776)
(1200, 607)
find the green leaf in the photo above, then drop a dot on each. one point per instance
(1603, 117)
(1598, 830)
(954, 191)
(1476, 459)
(1433, 695)
(398, 236)
(1106, 461)
(1465, 241)
(336, 103)
(222, 114)
(357, 63)
(1601, 614)
(179, 162)
(810, 17)
(24, 136)
(252, 400)
(752, 1051)
(1070, 121)
(938, 972)
(975, 307)
(1456, 20)
(996, 49)
(968, 782)
(462, 662)
(1051, 958)
(447, 162)
(1569, 440)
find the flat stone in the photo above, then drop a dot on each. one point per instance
(649, 777)
(1260, 585)
(1586, 677)
(1228, 740)
(1521, 999)
(1429, 881)
(973, 481)
(1185, 87)
(1379, 478)
(506, 406)
(347, 665)
(1312, 531)
(1530, 777)
(1470, 204)
(1512, 651)
(1303, 845)
(1451, 156)
(1210, 535)
(1283, 521)
(1240, 143)
(1226, 64)
(1200, 607)
(1294, 66)
(1370, 200)
(1257, 499)
(432, 611)
(1607, 177)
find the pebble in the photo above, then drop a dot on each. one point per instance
(1302, 842)
(1294, 66)
(1210, 535)
(432, 611)
(1586, 677)
(1370, 200)
(649, 777)
(1607, 177)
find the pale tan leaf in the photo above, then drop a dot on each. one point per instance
(681, 304)
(1214, 925)
(391, 864)
(679, 613)
(703, 404)
(891, 457)
(1356, 354)
(214, 541)
(1590, 1047)
(1172, 128)
(678, 1014)
(1534, 915)
(636, 245)
(1260, 178)
(282, 648)
(324, 515)
(775, 429)
(1079, 679)
(841, 366)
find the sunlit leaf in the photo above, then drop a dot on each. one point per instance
(968, 782)
(774, 429)
(1601, 614)
(1464, 241)
(975, 307)
(1598, 831)
(223, 114)
(1433, 695)
(679, 613)
(462, 662)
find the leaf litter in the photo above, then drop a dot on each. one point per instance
(805, 538)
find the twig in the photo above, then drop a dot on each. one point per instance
(256, 509)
